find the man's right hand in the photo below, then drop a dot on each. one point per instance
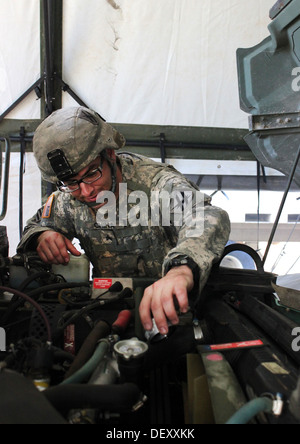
(53, 248)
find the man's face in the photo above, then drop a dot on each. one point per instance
(88, 193)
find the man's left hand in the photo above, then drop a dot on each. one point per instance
(165, 297)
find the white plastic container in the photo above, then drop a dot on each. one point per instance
(77, 270)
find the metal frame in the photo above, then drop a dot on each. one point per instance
(171, 141)
(164, 142)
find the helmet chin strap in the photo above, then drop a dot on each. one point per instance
(113, 168)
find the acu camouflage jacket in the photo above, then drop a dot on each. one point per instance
(132, 251)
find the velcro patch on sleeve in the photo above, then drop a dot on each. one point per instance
(48, 207)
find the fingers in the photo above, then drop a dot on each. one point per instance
(53, 248)
(71, 248)
(162, 301)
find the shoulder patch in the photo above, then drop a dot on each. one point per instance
(48, 207)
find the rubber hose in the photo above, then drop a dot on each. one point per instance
(33, 277)
(100, 331)
(87, 370)
(250, 410)
(114, 398)
(53, 287)
(16, 301)
(34, 304)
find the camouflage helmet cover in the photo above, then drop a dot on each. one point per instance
(80, 133)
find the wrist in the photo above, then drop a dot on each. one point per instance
(183, 271)
(40, 237)
(34, 242)
(185, 262)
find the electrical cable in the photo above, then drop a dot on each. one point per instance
(16, 302)
(53, 287)
(31, 278)
(117, 286)
(127, 292)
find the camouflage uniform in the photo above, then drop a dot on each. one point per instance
(134, 250)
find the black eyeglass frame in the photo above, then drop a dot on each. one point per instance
(65, 187)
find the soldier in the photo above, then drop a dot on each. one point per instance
(75, 149)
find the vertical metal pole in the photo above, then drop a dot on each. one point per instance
(5, 181)
(48, 58)
(51, 18)
(21, 173)
(51, 53)
(162, 140)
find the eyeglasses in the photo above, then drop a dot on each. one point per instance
(74, 185)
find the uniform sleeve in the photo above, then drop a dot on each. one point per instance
(200, 230)
(53, 216)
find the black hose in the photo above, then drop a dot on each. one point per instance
(33, 277)
(127, 292)
(17, 302)
(61, 355)
(53, 287)
(113, 398)
(101, 330)
(35, 304)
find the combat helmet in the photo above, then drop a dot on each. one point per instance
(70, 139)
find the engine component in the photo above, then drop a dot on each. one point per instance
(87, 349)
(130, 349)
(154, 335)
(21, 403)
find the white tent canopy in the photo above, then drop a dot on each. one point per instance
(164, 62)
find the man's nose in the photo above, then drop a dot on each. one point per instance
(86, 189)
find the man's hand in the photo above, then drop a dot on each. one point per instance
(162, 299)
(53, 248)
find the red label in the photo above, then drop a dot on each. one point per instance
(69, 339)
(102, 284)
(245, 344)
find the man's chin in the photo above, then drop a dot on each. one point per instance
(95, 205)
(92, 203)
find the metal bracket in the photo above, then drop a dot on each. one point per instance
(278, 121)
(278, 7)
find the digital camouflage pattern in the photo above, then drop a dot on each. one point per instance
(79, 132)
(134, 250)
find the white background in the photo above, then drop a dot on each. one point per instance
(166, 62)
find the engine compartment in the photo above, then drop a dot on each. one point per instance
(76, 352)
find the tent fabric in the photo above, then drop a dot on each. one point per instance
(169, 62)
(165, 62)
(19, 56)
